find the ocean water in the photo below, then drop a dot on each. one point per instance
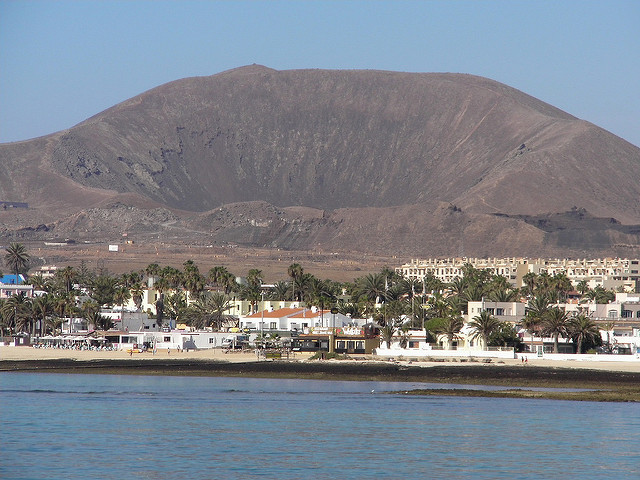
(60, 426)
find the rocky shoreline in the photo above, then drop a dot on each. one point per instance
(627, 384)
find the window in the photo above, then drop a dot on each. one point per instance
(166, 339)
(490, 311)
(627, 314)
(212, 340)
(499, 311)
(340, 344)
(273, 325)
(412, 344)
(612, 314)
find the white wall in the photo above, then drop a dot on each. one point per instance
(425, 352)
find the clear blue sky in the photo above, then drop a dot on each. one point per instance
(64, 61)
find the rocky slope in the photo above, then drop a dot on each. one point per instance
(418, 164)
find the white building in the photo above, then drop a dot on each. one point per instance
(296, 319)
(609, 273)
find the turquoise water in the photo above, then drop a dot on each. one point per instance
(57, 426)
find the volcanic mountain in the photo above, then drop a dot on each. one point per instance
(403, 163)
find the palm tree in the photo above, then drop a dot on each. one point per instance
(537, 310)
(530, 281)
(387, 332)
(152, 270)
(100, 321)
(295, 271)
(42, 306)
(40, 283)
(561, 286)
(280, 291)
(137, 291)
(210, 310)
(17, 312)
(371, 287)
(556, 323)
(582, 328)
(68, 274)
(175, 306)
(252, 293)
(458, 286)
(16, 259)
(5, 324)
(600, 295)
(582, 287)
(449, 326)
(483, 326)
(192, 281)
(89, 310)
(503, 295)
(217, 276)
(121, 296)
(608, 327)
(322, 293)
(254, 277)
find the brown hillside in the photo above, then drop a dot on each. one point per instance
(370, 161)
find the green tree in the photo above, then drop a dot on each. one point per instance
(483, 326)
(582, 287)
(371, 287)
(600, 295)
(175, 306)
(137, 292)
(556, 323)
(42, 307)
(17, 312)
(582, 329)
(252, 293)
(103, 289)
(506, 336)
(40, 283)
(68, 274)
(537, 309)
(280, 291)
(530, 281)
(16, 259)
(192, 281)
(212, 310)
(609, 328)
(387, 332)
(449, 325)
(503, 295)
(295, 271)
(101, 322)
(561, 286)
(121, 296)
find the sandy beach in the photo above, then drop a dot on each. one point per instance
(29, 353)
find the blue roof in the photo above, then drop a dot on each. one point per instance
(11, 279)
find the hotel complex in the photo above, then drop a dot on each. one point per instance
(609, 273)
